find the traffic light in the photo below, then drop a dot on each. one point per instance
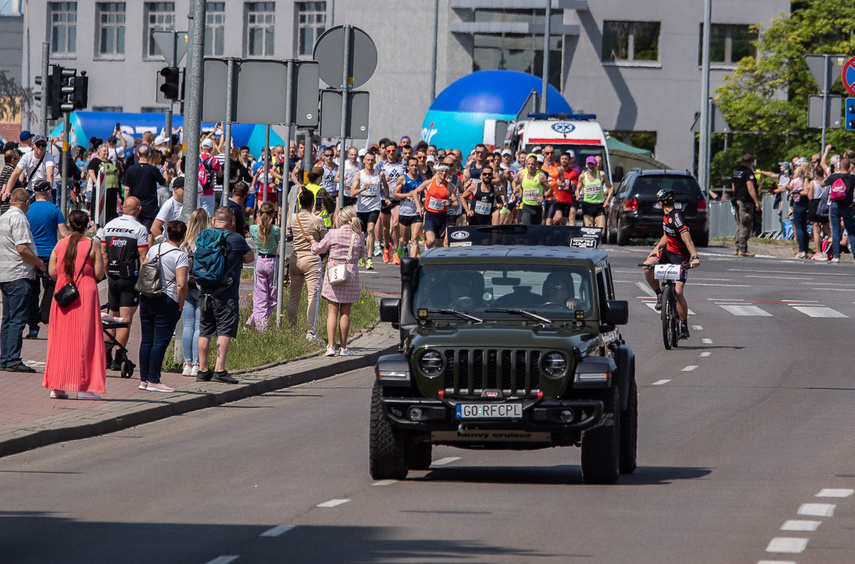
(80, 98)
(171, 83)
(50, 94)
(66, 91)
(850, 114)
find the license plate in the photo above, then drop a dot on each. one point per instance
(489, 410)
(678, 205)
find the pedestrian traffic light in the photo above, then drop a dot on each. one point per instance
(66, 91)
(50, 93)
(850, 114)
(171, 82)
(80, 99)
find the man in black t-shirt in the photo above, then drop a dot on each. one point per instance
(841, 210)
(141, 181)
(236, 204)
(745, 201)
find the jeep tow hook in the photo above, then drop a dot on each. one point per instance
(462, 428)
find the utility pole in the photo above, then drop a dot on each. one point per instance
(45, 70)
(544, 88)
(193, 107)
(705, 132)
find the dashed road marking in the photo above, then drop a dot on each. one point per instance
(445, 461)
(819, 311)
(690, 368)
(775, 562)
(385, 483)
(333, 503)
(646, 289)
(799, 525)
(706, 341)
(817, 509)
(697, 328)
(834, 493)
(705, 354)
(788, 545)
(660, 382)
(224, 559)
(745, 310)
(652, 305)
(277, 531)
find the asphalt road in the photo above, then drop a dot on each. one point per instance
(744, 429)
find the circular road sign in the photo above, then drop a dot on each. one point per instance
(329, 52)
(848, 76)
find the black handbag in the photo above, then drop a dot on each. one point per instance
(68, 294)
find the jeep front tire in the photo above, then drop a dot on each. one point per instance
(386, 444)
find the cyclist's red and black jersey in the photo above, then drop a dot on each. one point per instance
(674, 225)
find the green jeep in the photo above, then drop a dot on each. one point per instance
(508, 341)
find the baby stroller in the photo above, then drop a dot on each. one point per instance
(120, 357)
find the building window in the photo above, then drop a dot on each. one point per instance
(63, 28)
(215, 29)
(311, 22)
(631, 41)
(515, 51)
(111, 29)
(159, 16)
(260, 21)
(113, 109)
(729, 44)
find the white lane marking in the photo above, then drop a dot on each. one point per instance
(745, 310)
(834, 493)
(790, 302)
(689, 368)
(705, 354)
(445, 461)
(697, 328)
(224, 559)
(798, 525)
(646, 289)
(333, 503)
(777, 277)
(789, 545)
(817, 509)
(819, 311)
(828, 289)
(277, 531)
(719, 285)
(775, 562)
(660, 382)
(652, 305)
(385, 483)
(706, 341)
(725, 299)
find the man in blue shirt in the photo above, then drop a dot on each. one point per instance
(45, 220)
(220, 313)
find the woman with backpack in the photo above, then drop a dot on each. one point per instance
(799, 196)
(818, 213)
(159, 314)
(346, 245)
(199, 221)
(265, 235)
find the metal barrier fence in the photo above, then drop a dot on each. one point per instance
(723, 223)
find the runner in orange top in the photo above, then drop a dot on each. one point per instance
(436, 205)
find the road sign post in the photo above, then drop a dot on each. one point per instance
(825, 69)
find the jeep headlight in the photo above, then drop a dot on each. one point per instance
(554, 364)
(431, 364)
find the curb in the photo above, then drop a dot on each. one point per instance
(147, 411)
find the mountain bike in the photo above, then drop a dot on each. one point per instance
(667, 274)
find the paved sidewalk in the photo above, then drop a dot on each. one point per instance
(30, 419)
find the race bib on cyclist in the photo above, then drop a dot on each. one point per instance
(532, 194)
(437, 205)
(483, 208)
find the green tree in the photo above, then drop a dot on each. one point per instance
(765, 100)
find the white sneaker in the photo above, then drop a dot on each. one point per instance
(835, 259)
(159, 387)
(87, 395)
(344, 352)
(143, 386)
(312, 336)
(330, 351)
(194, 371)
(187, 370)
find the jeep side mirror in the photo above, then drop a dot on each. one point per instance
(617, 312)
(389, 309)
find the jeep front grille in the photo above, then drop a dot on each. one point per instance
(469, 371)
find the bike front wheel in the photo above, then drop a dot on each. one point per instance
(665, 315)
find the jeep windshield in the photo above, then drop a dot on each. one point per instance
(553, 292)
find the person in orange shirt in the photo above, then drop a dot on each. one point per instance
(555, 176)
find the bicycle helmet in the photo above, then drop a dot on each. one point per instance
(665, 195)
(42, 186)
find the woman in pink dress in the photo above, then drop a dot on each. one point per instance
(75, 347)
(342, 296)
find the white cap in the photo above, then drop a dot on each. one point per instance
(536, 148)
(362, 152)
(442, 167)
(160, 140)
(539, 158)
(570, 153)
(430, 159)
(207, 144)
(507, 152)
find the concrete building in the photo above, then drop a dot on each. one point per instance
(634, 64)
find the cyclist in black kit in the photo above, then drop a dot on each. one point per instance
(675, 247)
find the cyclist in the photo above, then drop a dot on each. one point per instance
(675, 247)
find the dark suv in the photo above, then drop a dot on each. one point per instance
(507, 344)
(634, 211)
